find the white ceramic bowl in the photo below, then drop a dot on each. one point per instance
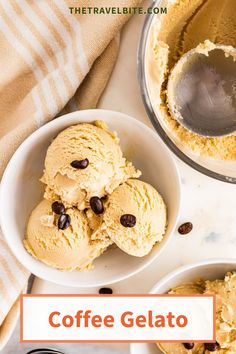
(21, 191)
(210, 269)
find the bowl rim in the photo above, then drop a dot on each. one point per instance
(152, 115)
(185, 268)
(70, 119)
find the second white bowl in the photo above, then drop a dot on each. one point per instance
(209, 269)
(21, 191)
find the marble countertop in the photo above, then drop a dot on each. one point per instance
(209, 204)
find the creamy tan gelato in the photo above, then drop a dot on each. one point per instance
(139, 203)
(88, 189)
(106, 167)
(225, 291)
(187, 24)
(67, 249)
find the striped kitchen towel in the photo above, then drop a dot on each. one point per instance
(13, 280)
(53, 60)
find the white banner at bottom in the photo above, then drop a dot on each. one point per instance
(117, 318)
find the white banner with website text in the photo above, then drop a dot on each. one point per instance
(117, 318)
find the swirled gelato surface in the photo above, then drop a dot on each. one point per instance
(67, 249)
(106, 169)
(140, 201)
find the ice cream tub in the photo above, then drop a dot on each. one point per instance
(165, 39)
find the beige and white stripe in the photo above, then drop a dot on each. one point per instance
(52, 62)
(13, 279)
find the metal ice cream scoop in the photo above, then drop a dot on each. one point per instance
(201, 91)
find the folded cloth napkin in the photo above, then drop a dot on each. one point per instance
(52, 61)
